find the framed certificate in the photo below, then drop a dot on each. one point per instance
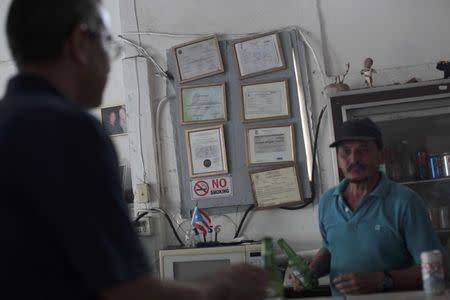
(269, 145)
(206, 151)
(203, 103)
(259, 54)
(276, 187)
(198, 59)
(266, 100)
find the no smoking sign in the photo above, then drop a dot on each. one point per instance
(214, 187)
(201, 188)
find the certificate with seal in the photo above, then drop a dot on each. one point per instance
(276, 187)
(206, 151)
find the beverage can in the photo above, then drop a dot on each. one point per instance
(435, 165)
(432, 272)
(446, 164)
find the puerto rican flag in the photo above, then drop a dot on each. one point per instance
(200, 220)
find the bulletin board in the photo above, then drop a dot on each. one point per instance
(230, 190)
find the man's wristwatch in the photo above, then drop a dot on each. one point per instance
(388, 283)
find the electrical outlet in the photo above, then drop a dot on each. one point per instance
(142, 193)
(143, 226)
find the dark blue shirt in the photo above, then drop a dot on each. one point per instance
(387, 231)
(64, 227)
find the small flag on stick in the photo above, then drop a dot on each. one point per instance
(200, 220)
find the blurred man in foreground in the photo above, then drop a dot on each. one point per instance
(64, 225)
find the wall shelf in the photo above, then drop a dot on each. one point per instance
(426, 181)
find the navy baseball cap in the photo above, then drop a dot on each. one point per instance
(357, 130)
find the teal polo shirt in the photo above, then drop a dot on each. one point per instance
(387, 231)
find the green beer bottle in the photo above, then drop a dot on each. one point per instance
(300, 267)
(275, 289)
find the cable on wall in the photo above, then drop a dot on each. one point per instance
(166, 215)
(308, 44)
(136, 20)
(143, 53)
(252, 206)
(312, 182)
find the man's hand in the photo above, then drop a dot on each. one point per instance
(359, 283)
(238, 282)
(297, 285)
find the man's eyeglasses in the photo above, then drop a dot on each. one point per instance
(112, 47)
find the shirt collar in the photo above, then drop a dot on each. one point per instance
(25, 84)
(379, 191)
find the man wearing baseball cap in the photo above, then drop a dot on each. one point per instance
(373, 229)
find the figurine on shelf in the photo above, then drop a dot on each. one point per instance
(338, 84)
(444, 65)
(368, 71)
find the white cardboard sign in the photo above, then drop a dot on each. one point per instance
(212, 187)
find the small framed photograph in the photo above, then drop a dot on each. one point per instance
(276, 187)
(203, 103)
(114, 119)
(265, 100)
(270, 145)
(198, 59)
(259, 54)
(206, 151)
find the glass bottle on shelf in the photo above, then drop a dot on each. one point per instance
(407, 162)
(433, 211)
(393, 165)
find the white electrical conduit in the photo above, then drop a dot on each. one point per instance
(158, 147)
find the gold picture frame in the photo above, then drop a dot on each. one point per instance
(206, 151)
(258, 54)
(270, 145)
(265, 100)
(274, 187)
(203, 103)
(198, 59)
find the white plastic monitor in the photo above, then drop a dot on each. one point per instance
(194, 263)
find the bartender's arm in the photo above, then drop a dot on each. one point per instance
(373, 282)
(398, 280)
(321, 263)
